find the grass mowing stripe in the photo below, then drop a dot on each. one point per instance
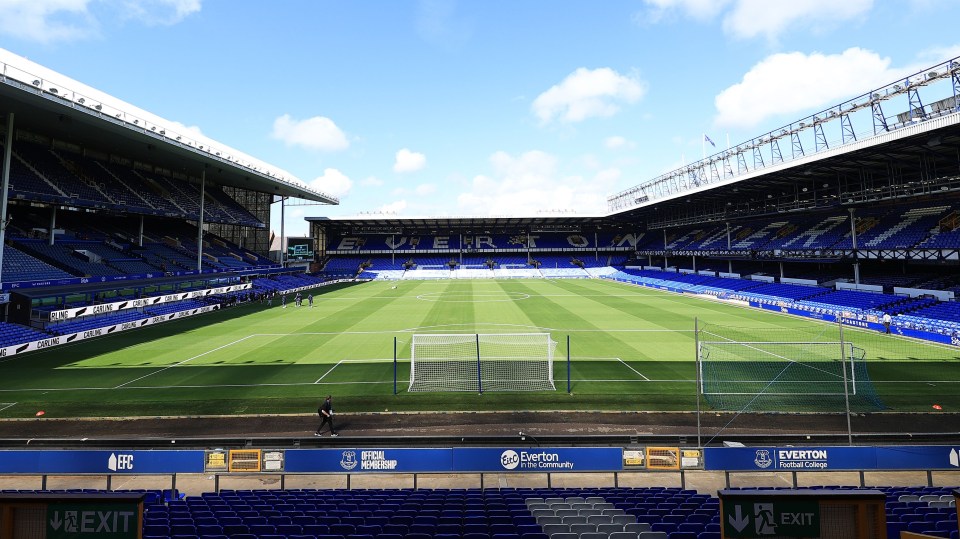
(183, 362)
(277, 372)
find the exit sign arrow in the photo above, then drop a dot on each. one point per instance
(55, 522)
(738, 520)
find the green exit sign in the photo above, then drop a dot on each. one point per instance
(88, 520)
(768, 517)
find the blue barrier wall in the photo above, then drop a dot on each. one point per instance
(473, 460)
(541, 460)
(799, 459)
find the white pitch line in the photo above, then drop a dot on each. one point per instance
(191, 386)
(182, 362)
(296, 384)
(8, 405)
(812, 321)
(328, 372)
(638, 373)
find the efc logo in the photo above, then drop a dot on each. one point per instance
(762, 459)
(348, 460)
(121, 462)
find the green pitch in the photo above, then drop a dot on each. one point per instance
(630, 348)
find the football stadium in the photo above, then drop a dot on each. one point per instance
(772, 329)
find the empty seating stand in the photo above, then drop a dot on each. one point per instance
(506, 513)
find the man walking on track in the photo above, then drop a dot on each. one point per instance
(326, 416)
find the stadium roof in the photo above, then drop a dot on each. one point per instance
(382, 223)
(855, 142)
(54, 105)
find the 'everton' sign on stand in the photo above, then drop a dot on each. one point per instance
(545, 459)
(541, 460)
(809, 459)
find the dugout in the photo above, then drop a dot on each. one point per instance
(71, 515)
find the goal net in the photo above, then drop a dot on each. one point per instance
(482, 362)
(784, 376)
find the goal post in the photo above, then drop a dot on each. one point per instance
(481, 362)
(762, 375)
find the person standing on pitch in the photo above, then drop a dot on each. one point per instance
(326, 416)
(310, 299)
(886, 323)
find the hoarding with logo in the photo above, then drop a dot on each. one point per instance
(807, 459)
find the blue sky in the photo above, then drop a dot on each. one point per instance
(484, 107)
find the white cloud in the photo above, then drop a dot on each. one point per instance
(316, 133)
(408, 161)
(189, 130)
(791, 83)
(587, 93)
(395, 207)
(371, 181)
(333, 182)
(425, 189)
(530, 182)
(617, 142)
(46, 21)
(697, 9)
(751, 18)
(437, 23)
(933, 55)
(51, 21)
(159, 12)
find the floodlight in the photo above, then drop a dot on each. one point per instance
(81, 101)
(53, 91)
(875, 96)
(897, 87)
(36, 82)
(178, 138)
(153, 128)
(136, 122)
(162, 132)
(932, 75)
(99, 107)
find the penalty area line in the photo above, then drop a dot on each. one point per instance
(635, 371)
(328, 372)
(184, 361)
(5, 405)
